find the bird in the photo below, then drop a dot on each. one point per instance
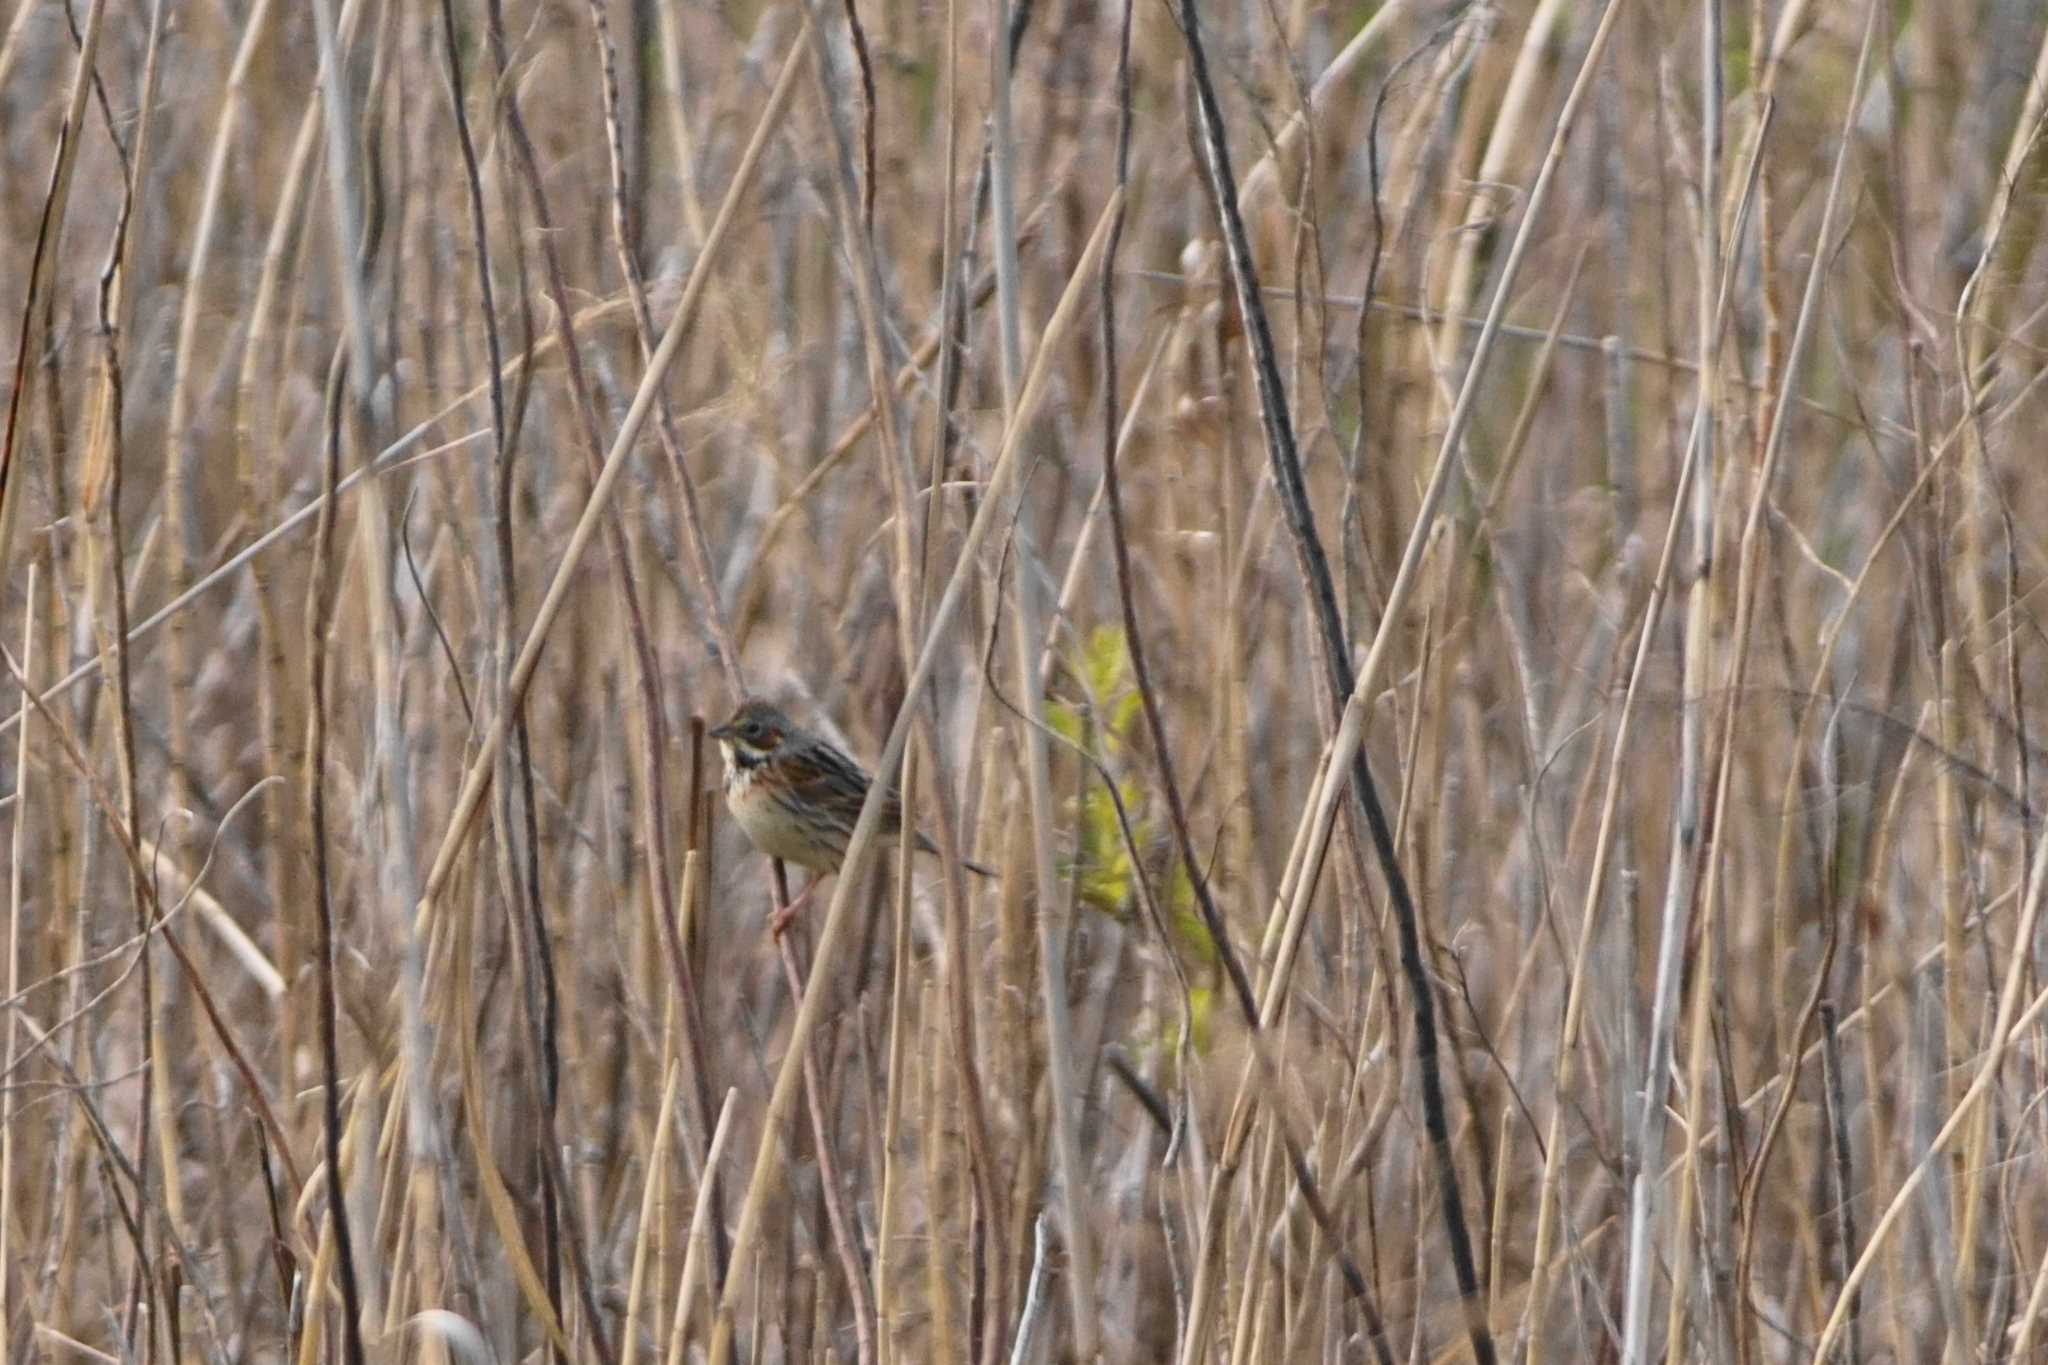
(796, 795)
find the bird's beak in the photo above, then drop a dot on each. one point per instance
(720, 732)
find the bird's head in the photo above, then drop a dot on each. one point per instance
(753, 734)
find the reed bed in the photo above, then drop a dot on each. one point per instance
(1473, 568)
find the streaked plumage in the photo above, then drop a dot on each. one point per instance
(794, 793)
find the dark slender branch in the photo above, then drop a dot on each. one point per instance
(280, 1258)
(507, 594)
(554, 1185)
(1162, 752)
(953, 315)
(478, 223)
(1198, 877)
(867, 116)
(44, 224)
(647, 675)
(1151, 1101)
(317, 607)
(419, 586)
(1361, 369)
(1750, 1189)
(696, 546)
(697, 556)
(1320, 588)
(140, 888)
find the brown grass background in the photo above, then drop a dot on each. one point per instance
(1821, 777)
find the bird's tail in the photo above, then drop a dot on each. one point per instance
(925, 845)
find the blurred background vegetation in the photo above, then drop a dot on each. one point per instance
(1696, 607)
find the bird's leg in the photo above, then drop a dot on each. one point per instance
(779, 925)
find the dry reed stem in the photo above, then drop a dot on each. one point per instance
(21, 809)
(622, 444)
(836, 917)
(1549, 711)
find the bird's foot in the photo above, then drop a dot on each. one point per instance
(779, 925)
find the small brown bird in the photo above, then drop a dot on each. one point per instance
(797, 796)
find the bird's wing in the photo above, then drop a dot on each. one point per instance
(835, 786)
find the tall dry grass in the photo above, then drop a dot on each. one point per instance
(1622, 944)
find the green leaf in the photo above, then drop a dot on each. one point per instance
(1200, 1001)
(1065, 721)
(1123, 713)
(1104, 662)
(1106, 874)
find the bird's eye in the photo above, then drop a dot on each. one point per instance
(752, 731)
